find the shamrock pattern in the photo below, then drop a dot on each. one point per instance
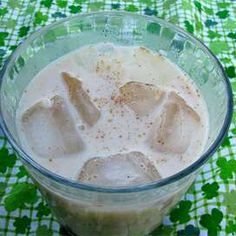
(209, 206)
(212, 221)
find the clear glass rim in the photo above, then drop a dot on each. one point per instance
(135, 188)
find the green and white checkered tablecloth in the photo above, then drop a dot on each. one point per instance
(209, 207)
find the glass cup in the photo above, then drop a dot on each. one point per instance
(91, 210)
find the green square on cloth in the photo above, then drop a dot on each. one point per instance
(209, 207)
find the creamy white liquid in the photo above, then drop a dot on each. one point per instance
(103, 69)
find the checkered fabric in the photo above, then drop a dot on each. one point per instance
(209, 207)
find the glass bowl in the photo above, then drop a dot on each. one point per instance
(91, 210)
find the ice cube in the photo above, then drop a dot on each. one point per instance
(81, 100)
(49, 129)
(119, 170)
(175, 127)
(141, 97)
